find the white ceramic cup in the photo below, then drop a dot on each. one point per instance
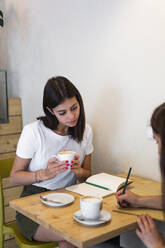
(90, 207)
(65, 156)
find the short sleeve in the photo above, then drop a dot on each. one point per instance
(26, 144)
(89, 140)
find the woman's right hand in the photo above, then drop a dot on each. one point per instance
(54, 168)
(128, 199)
(148, 232)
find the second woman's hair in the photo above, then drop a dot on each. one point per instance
(56, 91)
(158, 127)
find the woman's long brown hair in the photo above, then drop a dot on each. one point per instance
(56, 91)
(158, 127)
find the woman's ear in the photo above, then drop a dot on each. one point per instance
(50, 110)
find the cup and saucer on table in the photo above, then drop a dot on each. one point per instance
(90, 213)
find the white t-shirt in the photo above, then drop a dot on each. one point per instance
(40, 143)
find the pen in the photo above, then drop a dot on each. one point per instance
(126, 181)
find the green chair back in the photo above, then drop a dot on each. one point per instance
(5, 168)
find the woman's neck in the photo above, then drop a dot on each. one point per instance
(61, 130)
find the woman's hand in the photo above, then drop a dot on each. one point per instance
(128, 199)
(84, 171)
(75, 165)
(148, 232)
(53, 168)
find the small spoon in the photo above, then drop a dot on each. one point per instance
(44, 198)
(81, 218)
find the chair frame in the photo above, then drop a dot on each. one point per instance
(12, 228)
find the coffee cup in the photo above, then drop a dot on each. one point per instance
(90, 207)
(65, 156)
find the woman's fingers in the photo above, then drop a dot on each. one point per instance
(145, 222)
(60, 169)
(54, 167)
(130, 198)
(75, 164)
(148, 232)
(76, 160)
(52, 160)
(76, 156)
(60, 166)
(142, 223)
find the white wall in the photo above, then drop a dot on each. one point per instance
(112, 50)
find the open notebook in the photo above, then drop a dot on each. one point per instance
(101, 184)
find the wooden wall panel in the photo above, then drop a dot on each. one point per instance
(10, 132)
(8, 143)
(14, 126)
(7, 155)
(11, 193)
(9, 135)
(15, 106)
(9, 214)
(6, 183)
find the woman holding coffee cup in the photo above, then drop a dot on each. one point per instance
(36, 165)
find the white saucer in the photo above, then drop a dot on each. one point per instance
(62, 197)
(104, 217)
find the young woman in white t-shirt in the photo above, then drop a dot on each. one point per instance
(62, 128)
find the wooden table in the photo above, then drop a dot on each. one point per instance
(60, 220)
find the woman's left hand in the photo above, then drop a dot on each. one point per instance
(148, 232)
(75, 165)
(82, 171)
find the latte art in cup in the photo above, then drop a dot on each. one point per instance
(66, 152)
(90, 207)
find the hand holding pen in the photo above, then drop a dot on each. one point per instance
(124, 197)
(129, 199)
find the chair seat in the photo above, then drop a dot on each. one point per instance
(22, 241)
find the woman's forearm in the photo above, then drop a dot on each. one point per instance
(150, 201)
(23, 178)
(27, 177)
